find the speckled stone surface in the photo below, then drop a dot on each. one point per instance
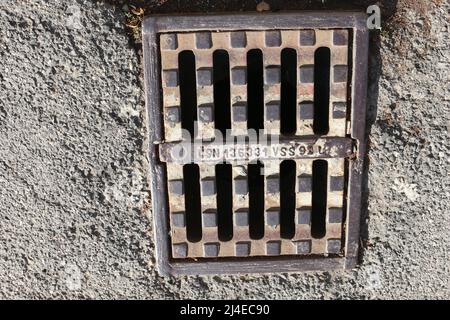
(75, 220)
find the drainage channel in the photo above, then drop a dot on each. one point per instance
(279, 189)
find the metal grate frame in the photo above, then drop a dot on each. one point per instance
(271, 253)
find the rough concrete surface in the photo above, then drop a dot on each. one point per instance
(75, 220)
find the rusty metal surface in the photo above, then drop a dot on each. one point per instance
(234, 153)
(305, 42)
(345, 35)
(271, 243)
(237, 43)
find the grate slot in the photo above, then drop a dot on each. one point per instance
(319, 198)
(224, 201)
(221, 74)
(191, 190)
(188, 98)
(288, 91)
(287, 198)
(256, 200)
(255, 89)
(321, 90)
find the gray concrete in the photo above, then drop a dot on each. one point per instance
(75, 220)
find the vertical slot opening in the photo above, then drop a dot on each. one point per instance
(256, 200)
(319, 198)
(287, 199)
(221, 80)
(288, 91)
(224, 201)
(321, 90)
(191, 180)
(188, 90)
(350, 76)
(255, 89)
(346, 190)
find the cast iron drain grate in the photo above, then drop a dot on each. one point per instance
(287, 92)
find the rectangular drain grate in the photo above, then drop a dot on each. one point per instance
(287, 91)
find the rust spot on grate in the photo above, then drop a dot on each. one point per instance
(303, 81)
